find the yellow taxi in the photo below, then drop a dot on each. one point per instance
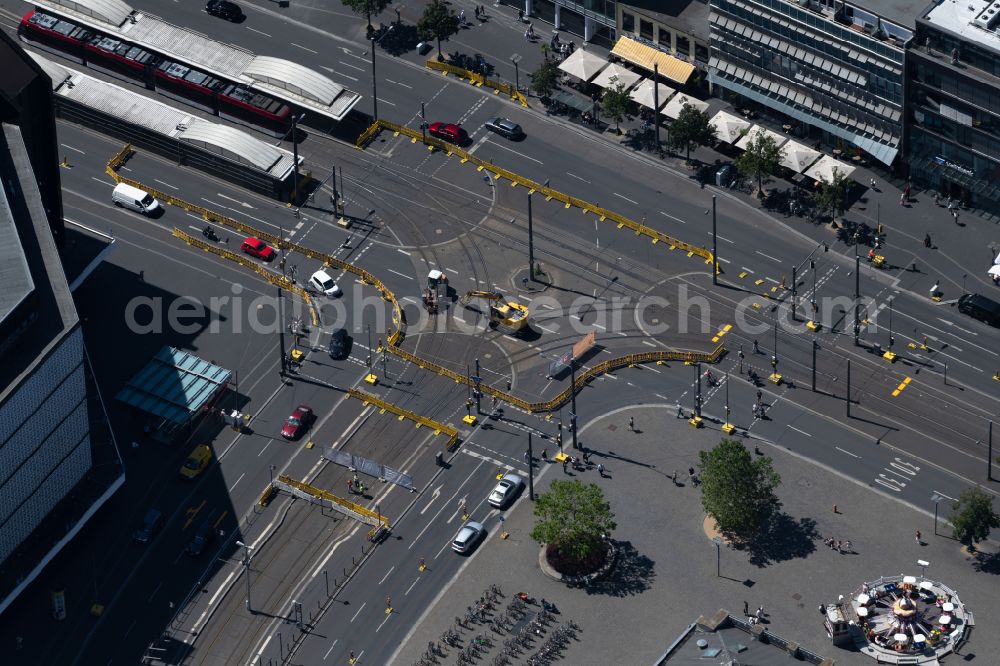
(197, 461)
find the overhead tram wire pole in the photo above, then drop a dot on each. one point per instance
(295, 160)
(246, 570)
(656, 111)
(715, 237)
(531, 242)
(572, 393)
(516, 58)
(374, 92)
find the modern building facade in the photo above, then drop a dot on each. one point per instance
(593, 20)
(829, 72)
(954, 95)
(677, 27)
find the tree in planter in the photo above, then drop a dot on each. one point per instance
(615, 103)
(367, 7)
(545, 79)
(573, 519)
(974, 517)
(738, 490)
(832, 195)
(691, 129)
(761, 159)
(437, 22)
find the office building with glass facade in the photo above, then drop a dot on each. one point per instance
(830, 73)
(954, 95)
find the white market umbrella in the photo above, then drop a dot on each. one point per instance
(643, 93)
(823, 169)
(583, 64)
(997, 260)
(798, 157)
(752, 135)
(994, 270)
(677, 104)
(728, 127)
(613, 75)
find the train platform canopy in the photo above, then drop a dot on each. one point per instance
(175, 386)
(174, 124)
(290, 82)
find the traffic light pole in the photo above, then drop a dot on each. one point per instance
(572, 393)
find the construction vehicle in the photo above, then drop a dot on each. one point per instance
(509, 316)
(435, 281)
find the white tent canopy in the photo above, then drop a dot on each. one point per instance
(752, 136)
(613, 75)
(583, 64)
(823, 170)
(798, 157)
(728, 127)
(643, 93)
(677, 103)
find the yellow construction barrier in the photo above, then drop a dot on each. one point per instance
(373, 518)
(436, 426)
(477, 79)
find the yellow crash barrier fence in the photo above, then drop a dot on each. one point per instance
(120, 158)
(348, 507)
(477, 79)
(436, 426)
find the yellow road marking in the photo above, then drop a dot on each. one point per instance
(902, 385)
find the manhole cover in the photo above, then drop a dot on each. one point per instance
(612, 427)
(796, 596)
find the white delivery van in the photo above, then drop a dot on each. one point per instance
(134, 199)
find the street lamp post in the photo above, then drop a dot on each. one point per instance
(891, 338)
(272, 474)
(937, 500)
(423, 121)
(697, 393)
(531, 242)
(246, 569)
(572, 393)
(718, 556)
(295, 156)
(374, 93)
(516, 58)
(656, 115)
(857, 298)
(531, 471)
(715, 237)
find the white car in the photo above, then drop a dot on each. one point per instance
(468, 537)
(322, 281)
(505, 492)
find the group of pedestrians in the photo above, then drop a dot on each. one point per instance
(756, 616)
(838, 545)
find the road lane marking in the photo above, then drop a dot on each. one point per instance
(259, 32)
(237, 481)
(902, 385)
(387, 574)
(622, 196)
(402, 275)
(676, 219)
(544, 328)
(778, 261)
(304, 48)
(411, 586)
(69, 147)
(330, 650)
(853, 455)
(801, 431)
(722, 238)
(573, 175)
(945, 496)
(648, 343)
(498, 145)
(155, 590)
(166, 184)
(434, 517)
(358, 612)
(452, 270)
(402, 251)
(746, 270)
(399, 84)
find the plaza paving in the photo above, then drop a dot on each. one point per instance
(667, 578)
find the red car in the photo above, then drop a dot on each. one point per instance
(258, 248)
(448, 132)
(297, 422)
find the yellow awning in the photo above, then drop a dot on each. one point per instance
(645, 56)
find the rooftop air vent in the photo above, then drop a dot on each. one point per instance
(987, 19)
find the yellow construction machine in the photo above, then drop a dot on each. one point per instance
(508, 315)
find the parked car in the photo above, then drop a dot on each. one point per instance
(981, 308)
(257, 248)
(340, 344)
(196, 462)
(504, 127)
(322, 281)
(449, 132)
(151, 524)
(202, 537)
(224, 9)
(297, 422)
(467, 537)
(506, 491)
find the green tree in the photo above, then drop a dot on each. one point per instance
(691, 129)
(974, 517)
(367, 7)
(573, 518)
(545, 79)
(832, 195)
(737, 489)
(761, 159)
(615, 103)
(437, 22)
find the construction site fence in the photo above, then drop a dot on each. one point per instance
(420, 420)
(313, 494)
(479, 80)
(499, 173)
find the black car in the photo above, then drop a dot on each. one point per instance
(224, 9)
(201, 539)
(340, 344)
(981, 308)
(151, 524)
(505, 127)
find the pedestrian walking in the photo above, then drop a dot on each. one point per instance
(461, 17)
(476, 10)
(954, 215)
(906, 190)
(919, 542)
(937, 199)
(673, 477)
(527, 458)
(927, 240)
(545, 455)
(600, 469)
(564, 467)
(142, 276)
(631, 424)
(759, 614)
(746, 608)
(760, 394)
(508, 386)
(690, 473)
(872, 183)
(680, 411)
(822, 610)
(756, 347)
(520, 15)
(835, 509)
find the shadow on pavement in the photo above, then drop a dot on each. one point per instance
(633, 573)
(785, 538)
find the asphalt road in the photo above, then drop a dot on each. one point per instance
(424, 211)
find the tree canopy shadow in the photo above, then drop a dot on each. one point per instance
(986, 563)
(632, 574)
(784, 538)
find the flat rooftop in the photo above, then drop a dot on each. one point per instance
(975, 20)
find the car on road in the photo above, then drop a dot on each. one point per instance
(505, 127)
(196, 462)
(340, 344)
(449, 132)
(151, 524)
(297, 422)
(467, 537)
(981, 308)
(202, 537)
(322, 282)
(257, 248)
(224, 9)
(506, 491)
